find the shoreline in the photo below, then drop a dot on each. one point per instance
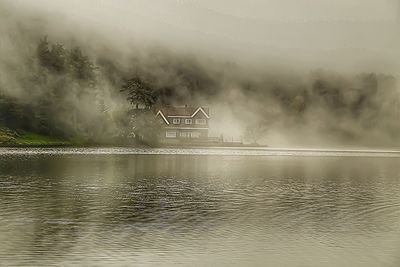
(127, 149)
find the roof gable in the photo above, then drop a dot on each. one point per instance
(188, 112)
(159, 113)
(200, 109)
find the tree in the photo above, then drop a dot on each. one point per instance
(11, 112)
(331, 94)
(43, 52)
(81, 67)
(53, 59)
(256, 132)
(57, 58)
(139, 92)
(144, 127)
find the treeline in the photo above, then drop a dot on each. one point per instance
(63, 92)
(61, 95)
(350, 108)
(72, 62)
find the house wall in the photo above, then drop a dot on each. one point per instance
(186, 127)
(194, 122)
(173, 133)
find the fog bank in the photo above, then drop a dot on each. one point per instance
(308, 73)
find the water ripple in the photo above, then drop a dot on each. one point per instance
(102, 208)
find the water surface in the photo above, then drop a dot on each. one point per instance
(199, 207)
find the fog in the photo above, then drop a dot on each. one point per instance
(249, 60)
(306, 33)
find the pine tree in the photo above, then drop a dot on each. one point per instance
(81, 67)
(139, 92)
(43, 52)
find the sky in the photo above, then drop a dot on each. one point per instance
(303, 10)
(342, 34)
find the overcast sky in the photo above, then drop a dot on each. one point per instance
(314, 33)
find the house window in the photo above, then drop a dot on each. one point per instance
(195, 134)
(176, 121)
(188, 121)
(170, 134)
(184, 134)
(200, 121)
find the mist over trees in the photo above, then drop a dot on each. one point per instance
(67, 88)
(67, 98)
(60, 95)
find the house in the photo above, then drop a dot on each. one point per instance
(184, 123)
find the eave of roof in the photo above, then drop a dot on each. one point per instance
(187, 112)
(202, 110)
(162, 116)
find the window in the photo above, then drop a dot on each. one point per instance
(176, 121)
(184, 134)
(188, 121)
(170, 134)
(195, 134)
(201, 121)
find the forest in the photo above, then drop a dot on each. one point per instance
(63, 93)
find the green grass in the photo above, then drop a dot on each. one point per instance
(13, 138)
(31, 139)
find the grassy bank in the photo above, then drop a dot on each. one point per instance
(12, 138)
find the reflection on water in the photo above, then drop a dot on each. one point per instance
(213, 209)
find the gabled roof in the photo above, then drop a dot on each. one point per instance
(200, 109)
(162, 116)
(182, 112)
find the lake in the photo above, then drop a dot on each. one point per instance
(199, 207)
